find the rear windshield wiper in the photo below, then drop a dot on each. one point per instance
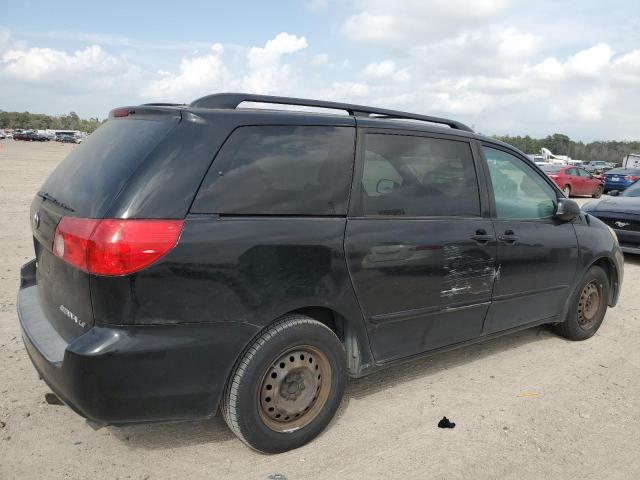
(49, 197)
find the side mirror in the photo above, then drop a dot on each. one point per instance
(384, 186)
(567, 210)
(614, 193)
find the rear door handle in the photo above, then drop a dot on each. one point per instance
(482, 237)
(508, 236)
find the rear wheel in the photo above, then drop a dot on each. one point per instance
(287, 386)
(567, 191)
(588, 306)
(597, 193)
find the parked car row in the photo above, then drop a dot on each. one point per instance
(39, 136)
(66, 138)
(598, 166)
(31, 136)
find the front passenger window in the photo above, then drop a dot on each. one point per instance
(518, 190)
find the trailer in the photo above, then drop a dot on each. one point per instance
(631, 161)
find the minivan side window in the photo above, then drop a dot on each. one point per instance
(280, 170)
(518, 190)
(418, 177)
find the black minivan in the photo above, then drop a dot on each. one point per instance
(190, 258)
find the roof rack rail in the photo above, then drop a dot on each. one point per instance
(162, 104)
(232, 100)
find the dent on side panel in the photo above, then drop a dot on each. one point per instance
(466, 273)
(421, 283)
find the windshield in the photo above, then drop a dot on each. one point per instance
(632, 191)
(550, 168)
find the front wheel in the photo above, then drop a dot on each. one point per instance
(287, 386)
(597, 193)
(588, 306)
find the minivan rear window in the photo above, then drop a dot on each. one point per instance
(90, 178)
(280, 170)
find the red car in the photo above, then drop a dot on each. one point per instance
(574, 180)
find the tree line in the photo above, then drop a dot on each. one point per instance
(559, 144)
(40, 121)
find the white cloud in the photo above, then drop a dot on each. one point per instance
(90, 70)
(267, 73)
(38, 63)
(550, 69)
(272, 51)
(198, 75)
(518, 45)
(386, 68)
(380, 21)
(590, 62)
(627, 68)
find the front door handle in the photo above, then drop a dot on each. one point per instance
(508, 237)
(481, 236)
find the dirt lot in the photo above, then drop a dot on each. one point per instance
(529, 405)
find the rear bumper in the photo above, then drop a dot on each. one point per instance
(616, 186)
(132, 374)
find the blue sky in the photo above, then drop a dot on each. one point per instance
(504, 66)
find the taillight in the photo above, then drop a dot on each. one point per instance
(631, 178)
(112, 246)
(120, 112)
(554, 176)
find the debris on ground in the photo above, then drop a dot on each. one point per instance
(445, 423)
(527, 394)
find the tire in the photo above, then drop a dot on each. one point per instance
(597, 193)
(567, 191)
(276, 377)
(584, 318)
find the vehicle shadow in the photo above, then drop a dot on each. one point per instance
(632, 259)
(215, 430)
(432, 365)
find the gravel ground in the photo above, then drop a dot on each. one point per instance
(527, 406)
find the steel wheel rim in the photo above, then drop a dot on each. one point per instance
(566, 191)
(294, 389)
(589, 304)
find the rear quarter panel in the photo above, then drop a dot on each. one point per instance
(247, 270)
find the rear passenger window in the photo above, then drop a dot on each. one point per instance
(283, 170)
(418, 177)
